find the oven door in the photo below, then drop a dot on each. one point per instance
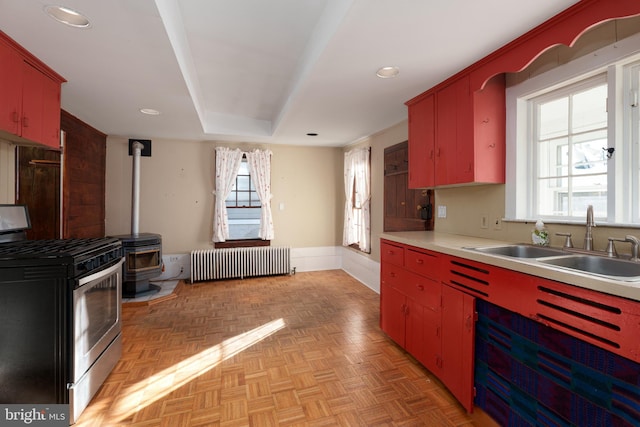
(97, 308)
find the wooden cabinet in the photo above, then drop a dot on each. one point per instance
(405, 209)
(10, 89)
(457, 344)
(457, 136)
(432, 321)
(422, 129)
(29, 97)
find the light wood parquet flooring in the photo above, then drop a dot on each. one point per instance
(301, 350)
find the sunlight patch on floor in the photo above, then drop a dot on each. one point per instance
(150, 390)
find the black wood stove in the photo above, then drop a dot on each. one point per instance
(142, 251)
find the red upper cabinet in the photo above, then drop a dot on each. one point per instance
(467, 125)
(457, 136)
(10, 89)
(29, 97)
(470, 133)
(50, 112)
(422, 128)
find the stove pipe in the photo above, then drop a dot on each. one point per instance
(135, 192)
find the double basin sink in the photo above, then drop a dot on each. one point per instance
(611, 268)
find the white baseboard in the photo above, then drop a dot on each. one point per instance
(362, 268)
(316, 258)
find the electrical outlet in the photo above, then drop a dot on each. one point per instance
(497, 225)
(484, 221)
(174, 258)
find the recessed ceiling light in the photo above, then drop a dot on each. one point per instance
(387, 72)
(67, 16)
(150, 111)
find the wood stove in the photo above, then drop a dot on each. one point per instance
(142, 251)
(143, 261)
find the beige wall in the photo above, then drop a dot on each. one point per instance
(177, 181)
(378, 143)
(7, 172)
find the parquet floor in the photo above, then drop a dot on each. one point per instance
(301, 350)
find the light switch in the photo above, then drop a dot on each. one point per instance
(442, 211)
(281, 206)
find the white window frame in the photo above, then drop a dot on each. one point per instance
(519, 188)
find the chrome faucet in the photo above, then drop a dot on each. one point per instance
(635, 243)
(588, 237)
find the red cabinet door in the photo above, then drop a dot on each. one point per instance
(422, 143)
(432, 339)
(32, 90)
(414, 329)
(393, 313)
(10, 90)
(458, 333)
(465, 147)
(50, 113)
(446, 135)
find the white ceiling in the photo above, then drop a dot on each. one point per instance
(261, 70)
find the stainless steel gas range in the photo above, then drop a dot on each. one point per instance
(60, 315)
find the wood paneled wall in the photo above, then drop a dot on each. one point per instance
(83, 189)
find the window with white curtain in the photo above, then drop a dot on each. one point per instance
(357, 210)
(242, 208)
(572, 140)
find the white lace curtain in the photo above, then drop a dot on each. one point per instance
(259, 162)
(357, 208)
(227, 165)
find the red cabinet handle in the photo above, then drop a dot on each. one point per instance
(419, 261)
(25, 122)
(420, 287)
(15, 117)
(392, 274)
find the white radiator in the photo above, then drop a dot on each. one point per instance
(229, 263)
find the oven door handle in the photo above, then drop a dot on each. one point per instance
(101, 273)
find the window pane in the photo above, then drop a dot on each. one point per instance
(589, 109)
(244, 168)
(589, 156)
(552, 158)
(243, 183)
(244, 223)
(243, 198)
(553, 197)
(554, 118)
(255, 200)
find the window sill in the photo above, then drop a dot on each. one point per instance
(242, 243)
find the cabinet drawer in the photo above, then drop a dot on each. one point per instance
(423, 290)
(390, 253)
(424, 263)
(393, 275)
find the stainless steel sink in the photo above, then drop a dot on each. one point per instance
(612, 268)
(520, 251)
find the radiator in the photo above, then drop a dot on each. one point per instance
(229, 263)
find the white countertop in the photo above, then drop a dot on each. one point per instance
(455, 245)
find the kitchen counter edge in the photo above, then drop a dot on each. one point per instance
(453, 244)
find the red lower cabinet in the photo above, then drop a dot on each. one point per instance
(458, 334)
(393, 313)
(432, 321)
